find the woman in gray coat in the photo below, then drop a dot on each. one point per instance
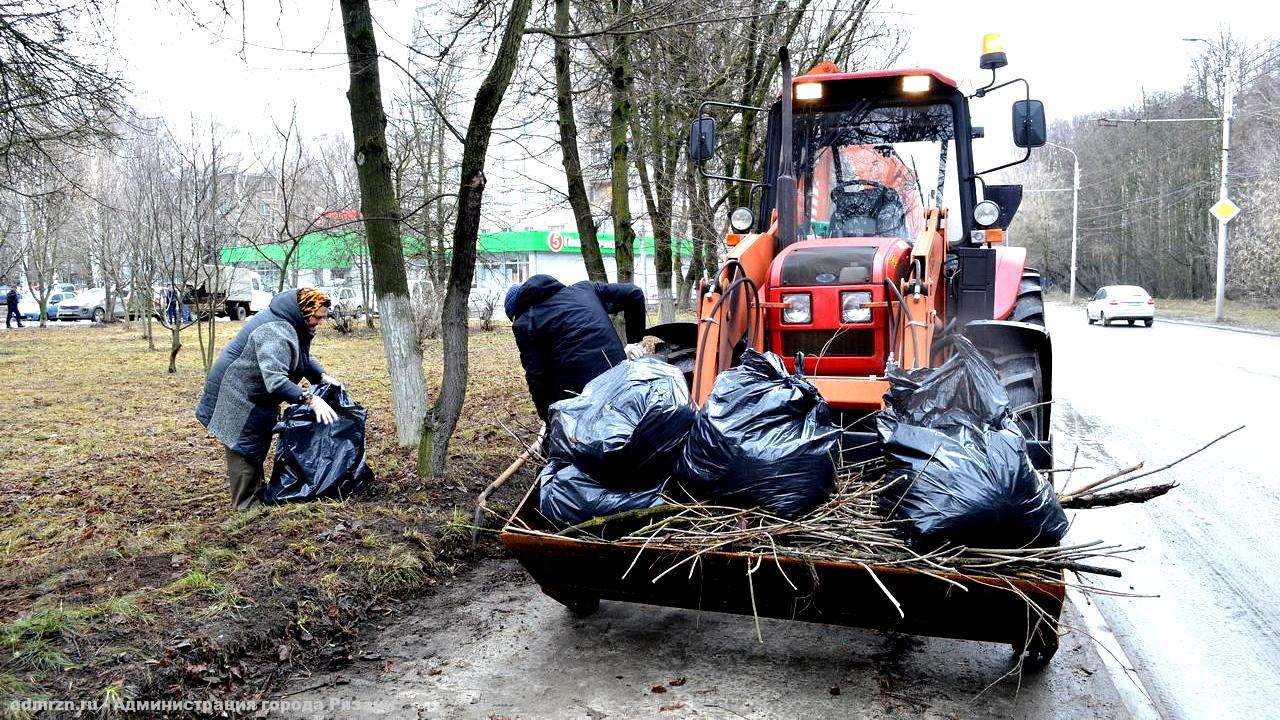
(257, 371)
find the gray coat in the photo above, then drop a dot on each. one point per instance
(257, 371)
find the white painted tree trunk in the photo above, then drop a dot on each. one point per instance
(666, 305)
(404, 365)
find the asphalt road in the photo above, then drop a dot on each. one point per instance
(1208, 646)
(491, 645)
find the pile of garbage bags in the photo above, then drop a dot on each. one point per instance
(958, 469)
(314, 460)
(612, 447)
(764, 438)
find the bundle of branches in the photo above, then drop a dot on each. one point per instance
(847, 528)
(1093, 494)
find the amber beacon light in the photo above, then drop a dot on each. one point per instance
(992, 52)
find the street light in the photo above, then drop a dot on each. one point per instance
(1227, 100)
(1075, 207)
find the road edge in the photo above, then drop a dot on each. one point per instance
(1133, 693)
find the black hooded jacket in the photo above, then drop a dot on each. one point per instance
(565, 336)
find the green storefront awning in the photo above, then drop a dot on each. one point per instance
(322, 250)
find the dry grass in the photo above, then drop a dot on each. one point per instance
(123, 563)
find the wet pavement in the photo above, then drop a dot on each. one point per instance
(1208, 645)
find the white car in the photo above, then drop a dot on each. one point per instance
(347, 299)
(1116, 303)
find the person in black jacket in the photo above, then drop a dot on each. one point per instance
(11, 302)
(565, 336)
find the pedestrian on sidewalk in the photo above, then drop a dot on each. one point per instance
(257, 371)
(11, 301)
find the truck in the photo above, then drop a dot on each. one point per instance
(875, 241)
(236, 292)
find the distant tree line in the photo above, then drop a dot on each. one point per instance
(1146, 187)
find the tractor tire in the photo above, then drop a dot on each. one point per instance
(1030, 305)
(1023, 381)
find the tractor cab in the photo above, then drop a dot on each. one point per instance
(875, 238)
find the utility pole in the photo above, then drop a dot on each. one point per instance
(1224, 219)
(1075, 209)
(1224, 224)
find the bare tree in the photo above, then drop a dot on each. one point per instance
(444, 415)
(382, 227)
(51, 98)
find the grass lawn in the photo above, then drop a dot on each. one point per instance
(126, 573)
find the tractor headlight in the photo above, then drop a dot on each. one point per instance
(798, 310)
(986, 213)
(741, 219)
(851, 307)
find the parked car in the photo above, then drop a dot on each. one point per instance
(90, 305)
(347, 299)
(29, 305)
(1116, 303)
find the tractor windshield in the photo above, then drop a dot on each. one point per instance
(871, 170)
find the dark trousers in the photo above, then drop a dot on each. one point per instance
(13, 314)
(244, 479)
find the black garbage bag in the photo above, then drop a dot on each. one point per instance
(763, 438)
(314, 460)
(627, 427)
(568, 496)
(958, 470)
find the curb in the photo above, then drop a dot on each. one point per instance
(1124, 677)
(1215, 326)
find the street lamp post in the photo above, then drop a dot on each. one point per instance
(1075, 208)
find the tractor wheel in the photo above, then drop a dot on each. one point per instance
(1020, 374)
(1030, 305)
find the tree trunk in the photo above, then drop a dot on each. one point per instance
(619, 119)
(175, 344)
(434, 452)
(586, 225)
(382, 224)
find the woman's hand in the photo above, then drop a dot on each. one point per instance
(328, 379)
(324, 413)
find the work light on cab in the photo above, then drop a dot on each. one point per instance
(916, 83)
(809, 91)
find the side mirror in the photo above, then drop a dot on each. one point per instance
(1028, 124)
(702, 139)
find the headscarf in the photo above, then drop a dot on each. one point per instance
(310, 301)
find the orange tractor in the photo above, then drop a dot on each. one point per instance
(877, 249)
(870, 247)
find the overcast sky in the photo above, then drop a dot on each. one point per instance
(1081, 58)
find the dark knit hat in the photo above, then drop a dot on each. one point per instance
(509, 304)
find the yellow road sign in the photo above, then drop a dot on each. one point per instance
(1224, 210)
